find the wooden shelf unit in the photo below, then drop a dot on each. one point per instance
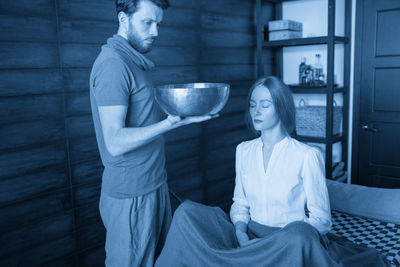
(330, 88)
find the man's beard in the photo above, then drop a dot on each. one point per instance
(137, 43)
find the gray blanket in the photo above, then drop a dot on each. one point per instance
(204, 236)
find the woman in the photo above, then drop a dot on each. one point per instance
(280, 211)
(276, 175)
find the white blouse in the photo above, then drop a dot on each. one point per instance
(294, 179)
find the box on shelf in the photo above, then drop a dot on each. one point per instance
(284, 35)
(286, 24)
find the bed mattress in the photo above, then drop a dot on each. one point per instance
(383, 236)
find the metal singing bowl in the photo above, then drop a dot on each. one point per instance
(192, 99)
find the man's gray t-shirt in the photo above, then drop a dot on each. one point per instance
(119, 77)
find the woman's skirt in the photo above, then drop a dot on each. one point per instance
(204, 236)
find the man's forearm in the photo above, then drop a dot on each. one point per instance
(129, 138)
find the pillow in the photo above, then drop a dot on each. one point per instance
(372, 202)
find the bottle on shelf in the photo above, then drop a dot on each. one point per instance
(319, 77)
(302, 68)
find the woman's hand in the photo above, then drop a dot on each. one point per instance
(242, 237)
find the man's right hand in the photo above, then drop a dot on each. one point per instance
(177, 121)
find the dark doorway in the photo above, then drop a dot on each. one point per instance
(376, 126)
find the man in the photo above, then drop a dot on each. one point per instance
(134, 202)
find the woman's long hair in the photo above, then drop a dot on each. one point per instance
(282, 99)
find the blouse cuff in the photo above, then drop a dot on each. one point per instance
(240, 217)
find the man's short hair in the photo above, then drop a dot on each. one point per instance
(129, 6)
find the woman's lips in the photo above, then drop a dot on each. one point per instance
(258, 121)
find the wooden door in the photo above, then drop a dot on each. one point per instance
(379, 88)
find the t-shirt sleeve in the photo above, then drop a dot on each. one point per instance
(112, 83)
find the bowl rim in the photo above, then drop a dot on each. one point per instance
(192, 85)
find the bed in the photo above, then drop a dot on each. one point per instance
(368, 216)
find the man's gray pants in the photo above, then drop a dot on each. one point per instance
(136, 227)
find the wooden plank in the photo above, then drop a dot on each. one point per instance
(88, 215)
(30, 160)
(27, 186)
(171, 33)
(224, 123)
(80, 126)
(186, 3)
(240, 88)
(66, 260)
(87, 194)
(223, 171)
(76, 79)
(32, 210)
(177, 169)
(226, 56)
(39, 132)
(176, 36)
(23, 7)
(231, 138)
(180, 17)
(30, 81)
(220, 191)
(182, 133)
(186, 183)
(224, 73)
(28, 55)
(86, 31)
(226, 22)
(79, 55)
(27, 28)
(83, 56)
(234, 105)
(220, 156)
(83, 149)
(174, 74)
(88, 9)
(227, 39)
(86, 172)
(93, 257)
(181, 150)
(195, 194)
(42, 253)
(37, 233)
(78, 104)
(34, 107)
(167, 56)
(229, 7)
(91, 235)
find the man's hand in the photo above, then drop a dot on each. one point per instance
(177, 121)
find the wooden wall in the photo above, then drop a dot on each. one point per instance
(50, 170)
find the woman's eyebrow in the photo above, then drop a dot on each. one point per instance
(262, 100)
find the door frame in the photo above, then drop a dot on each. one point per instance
(355, 179)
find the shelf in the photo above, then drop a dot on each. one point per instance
(280, 1)
(328, 42)
(299, 89)
(321, 140)
(304, 41)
